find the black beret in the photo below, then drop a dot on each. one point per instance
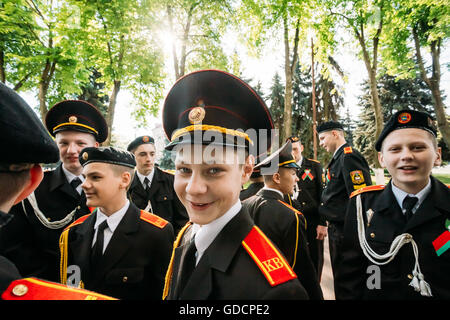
(220, 104)
(281, 158)
(23, 137)
(407, 119)
(329, 125)
(107, 155)
(76, 115)
(140, 140)
(293, 139)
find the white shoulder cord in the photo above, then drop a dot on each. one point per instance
(51, 225)
(149, 208)
(418, 282)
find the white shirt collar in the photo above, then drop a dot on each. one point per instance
(70, 176)
(205, 234)
(114, 219)
(400, 195)
(299, 162)
(149, 177)
(275, 190)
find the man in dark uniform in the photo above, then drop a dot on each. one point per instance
(25, 143)
(397, 237)
(152, 188)
(31, 239)
(347, 171)
(282, 223)
(120, 250)
(257, 182)
(220, 254)
(306, 199)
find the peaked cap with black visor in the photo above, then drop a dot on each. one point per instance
(220, 103)
(76, 115)
(281, 158)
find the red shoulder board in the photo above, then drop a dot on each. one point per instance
(77, 222)
(290, 207)
(348, 150)
(365, 189)
(153, 219)
(36, 289)
(448, 185)
(269, 260)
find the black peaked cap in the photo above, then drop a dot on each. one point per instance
(281, 158)
(76, 115)
(218, 102)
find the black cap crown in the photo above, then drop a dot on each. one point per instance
(281, 158)
(407, 119)
(329, 125)
(218, 103)
(23, 137)
(107, 155)
(76, 115)
(138, 141)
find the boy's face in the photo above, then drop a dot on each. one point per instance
(145, 158)
(102, 186)
(210, 187)
(409, 155)
(70, 143)
(327, 140)
(297, 149)
(288, 178)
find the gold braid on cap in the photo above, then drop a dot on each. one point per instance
(206, 127)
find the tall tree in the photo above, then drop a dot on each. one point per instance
(119, 44)
(365, 20)
(196, 29)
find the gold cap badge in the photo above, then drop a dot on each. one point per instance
(85, 156)
(73, 119)
(196, 115)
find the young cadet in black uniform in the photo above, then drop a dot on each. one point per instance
(120, 250)
(31, 239)
(347, 171)
(25, 143)
(282, 223)
(306, 199)
(220, 254)
(407, 221)
(152, 189)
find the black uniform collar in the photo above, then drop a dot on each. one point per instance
(4, 218)
(271, 194)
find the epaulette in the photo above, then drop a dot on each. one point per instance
(448, 185)
(365, 189)
(153, 219)
(268, 259)
(314, 160)
(290, 207)
(36, 289)
(77, 222)
(348, 150)
(169, 171)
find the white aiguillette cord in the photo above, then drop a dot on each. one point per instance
(418, 282)
(40, 215)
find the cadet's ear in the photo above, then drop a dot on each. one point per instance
(36, 176)
(438, 160)
(247, 169)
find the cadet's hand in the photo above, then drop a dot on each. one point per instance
(322, 232)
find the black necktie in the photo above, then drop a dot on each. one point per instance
(97, 249)
(188, 265)
(75, 183)
(408, 204)
(147, 184)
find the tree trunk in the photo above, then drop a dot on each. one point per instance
(433, 83)
(2, 67)
(44, 82)
(111, 110)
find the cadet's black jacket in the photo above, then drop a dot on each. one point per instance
(134, 262)
(162, 196)
(386, 223)
(8, 272)
(346, 172)
(26, 241)
(286, 228)
(226, 271)
(251, 190)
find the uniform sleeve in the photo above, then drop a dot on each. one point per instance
(350, 273)
(319, 187)
(356, 173)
